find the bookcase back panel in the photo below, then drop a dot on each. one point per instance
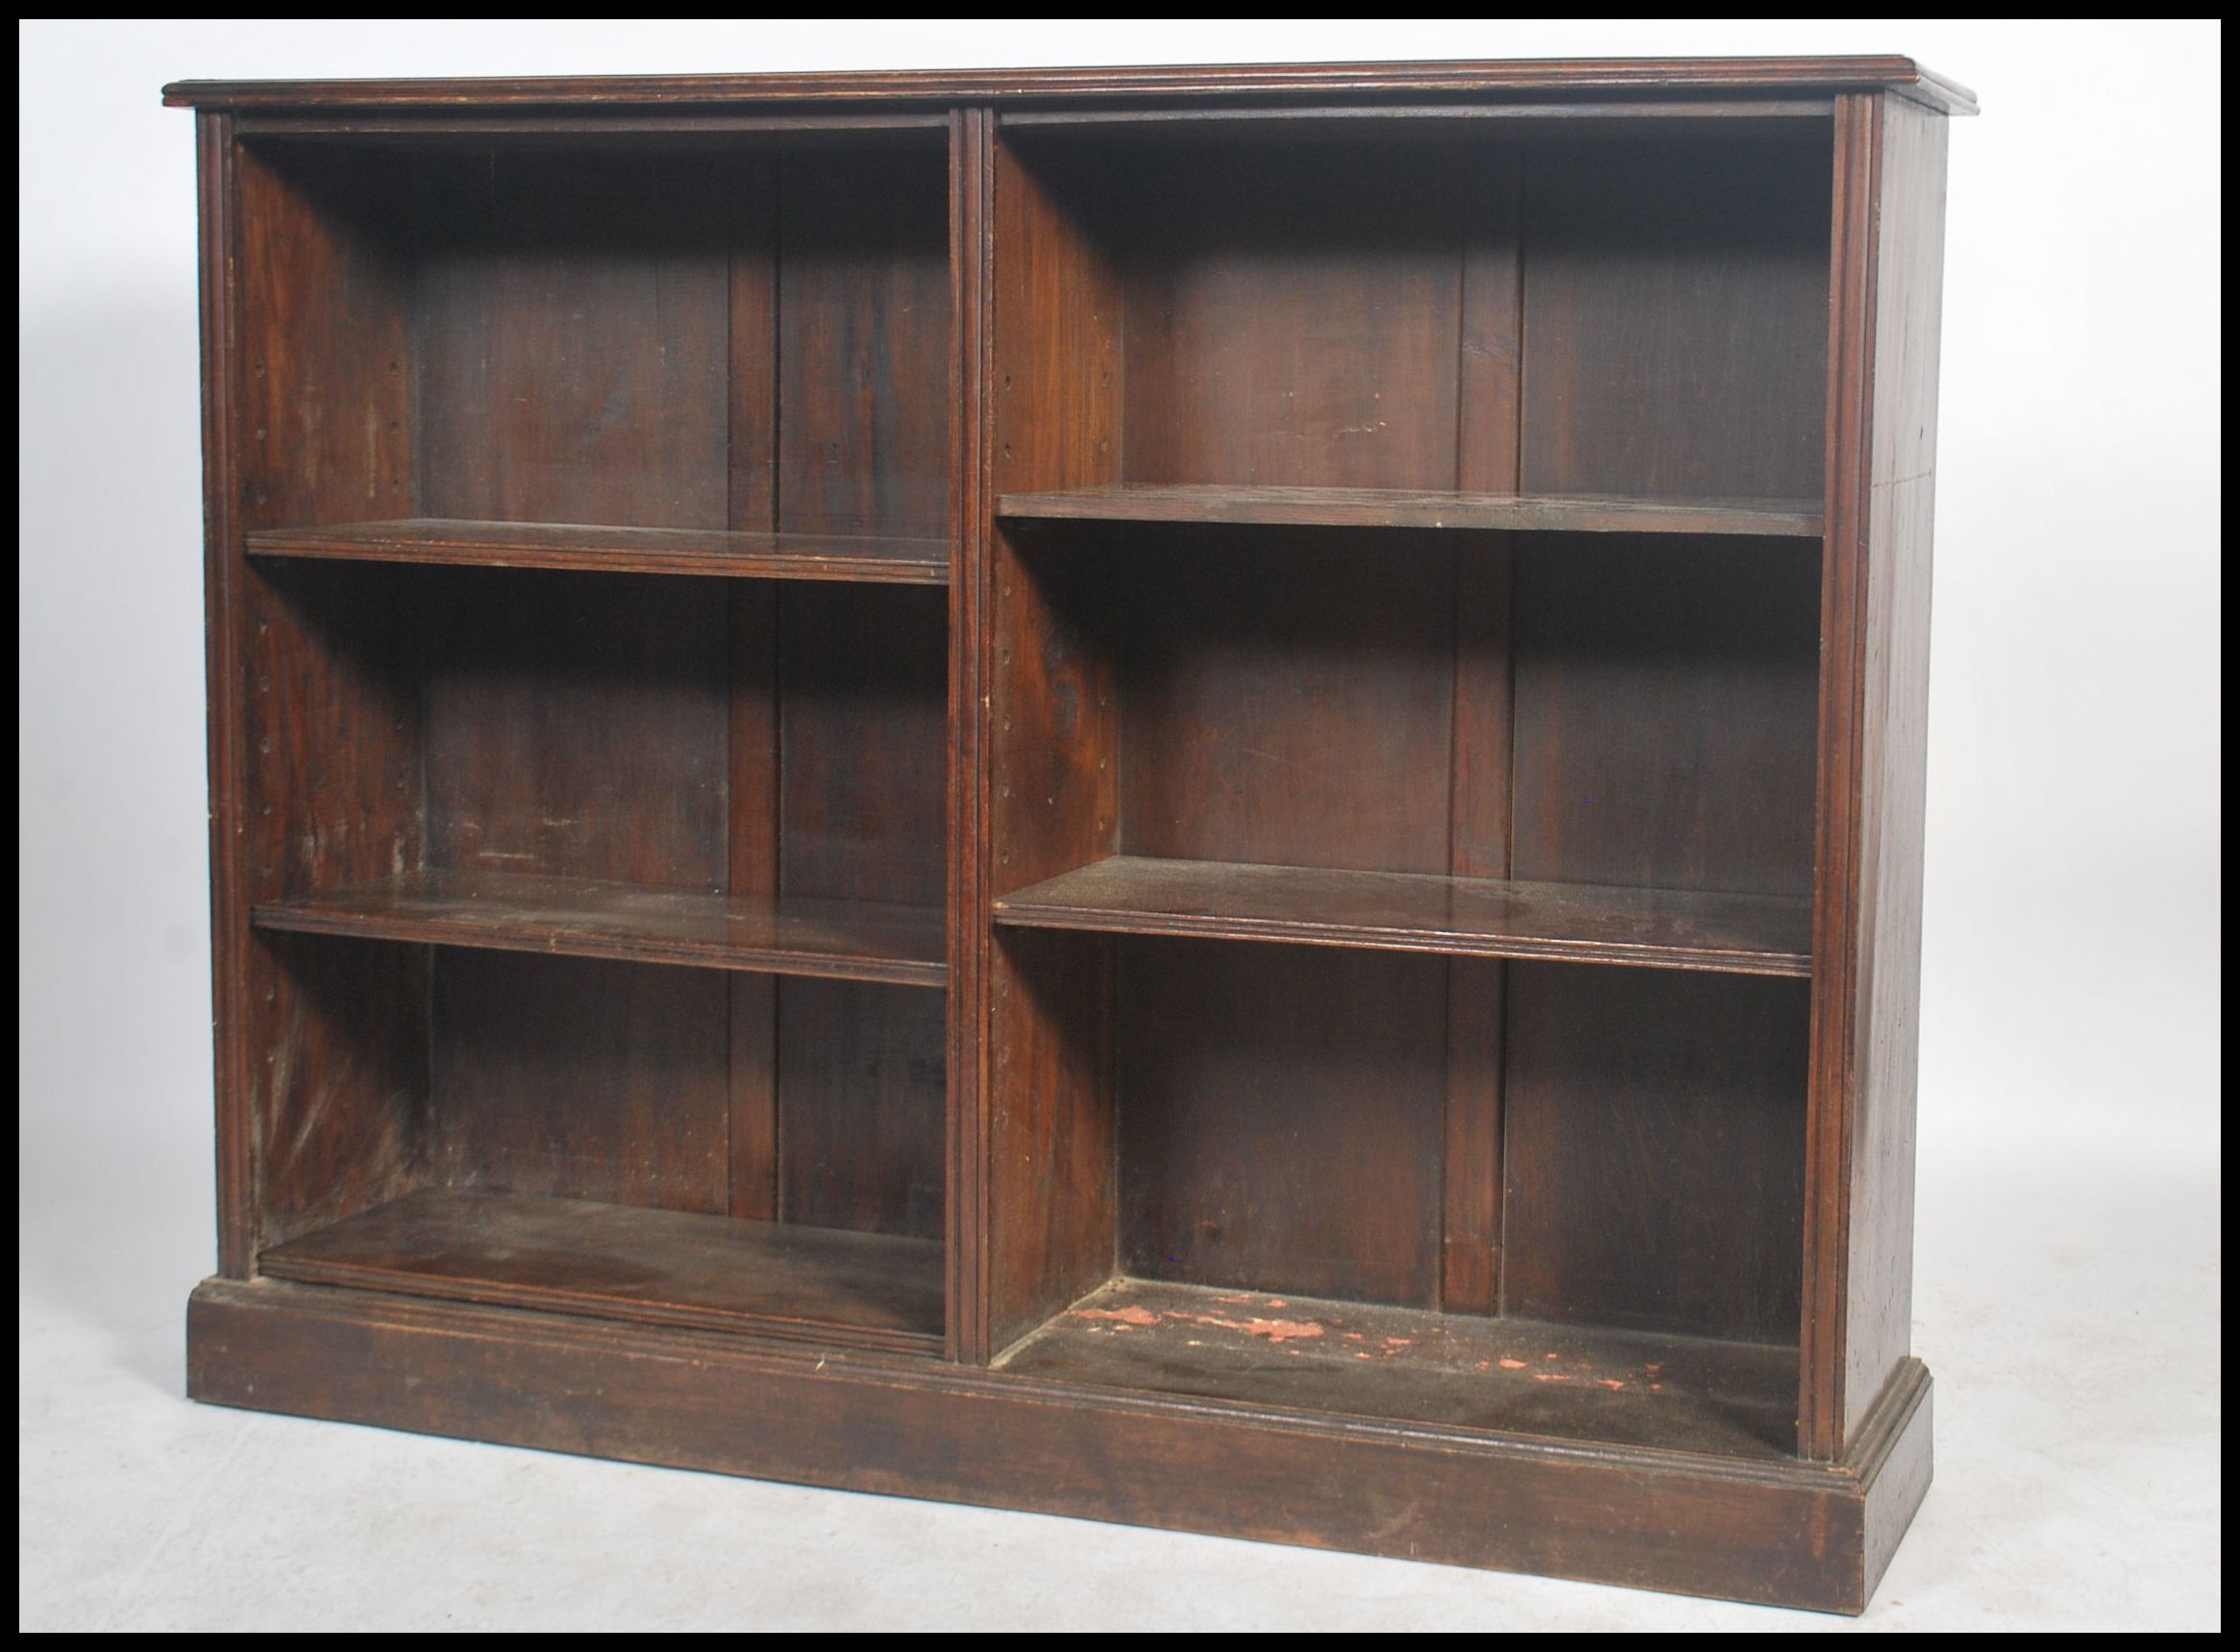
(577, 726)
(572, 323)
(1675, 316)
(1285, 1125)
(751, 338)
(1279, 1115)
(1666, 712)
(1285, 697)
(1291, 316)
(582, 1078)
(865, 348)
(1655, 1150)
(863, 759)
(862, 1087)
(1636, 316)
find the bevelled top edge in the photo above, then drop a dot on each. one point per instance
(1588, 75)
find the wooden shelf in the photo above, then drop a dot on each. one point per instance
(1410, 1364)
(844, 940)
(1407, 912)
(616, 549)
(1398, 508)
(622, 1262)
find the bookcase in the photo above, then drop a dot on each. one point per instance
(1188, 795)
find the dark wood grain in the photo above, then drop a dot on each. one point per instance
(1675, 313)
(1665, 715)
(1280, 1114)
(1052, 1157)
(1290, 317)
(1398, 508)
(332, 762)
(1403, 912)
(1877, 1315)
(647, 1267)
(1890, 242)
(1574, 76)
(864, 442)
(862, 766)
(752, 764)
(326, 420)
(572, 323)
(339, 1103)
(616, 549)
(865, 342)
(1289, 702)
(320, 726)
(970, 189)
(575, 916)
(1051, 410)
(1656, 1150)
(235, 1040)
(582, 1078)
(1487, 433)
(1412, 122)
(1408, 1365)
(1785, 1534)
(577, 727)
(723, 132)
(862, 1098)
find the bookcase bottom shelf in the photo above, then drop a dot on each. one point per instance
(1797, 1533)
(623, 1262)
(1410, 1365)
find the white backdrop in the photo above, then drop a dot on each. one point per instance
(2070, 1123)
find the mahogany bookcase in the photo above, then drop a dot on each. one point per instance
(1189, 796)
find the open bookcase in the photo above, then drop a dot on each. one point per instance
(1184, 796)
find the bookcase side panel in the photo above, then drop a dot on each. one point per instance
(1909, 272)
(324, 708)
(1889, 190)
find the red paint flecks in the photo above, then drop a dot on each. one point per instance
(1512, 1365)
(1124, 1316)
(1611, 1383)
(1549, 1377)
(1277, 1302)
(1275, 1330)
(1356, 1356)
(1399, 1341)
(1555, 1356)
(1656, 1387)
(1355, 1337)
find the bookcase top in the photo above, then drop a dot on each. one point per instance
(1563, 78)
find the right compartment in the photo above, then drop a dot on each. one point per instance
(1405, 638)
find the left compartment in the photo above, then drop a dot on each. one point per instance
(582, 937)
